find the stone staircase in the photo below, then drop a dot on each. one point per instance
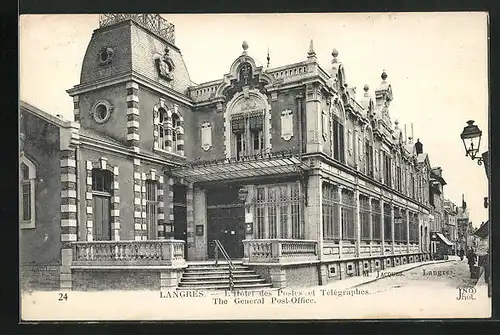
(207, 276)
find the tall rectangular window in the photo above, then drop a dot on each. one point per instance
(248, 135)
(277, 212)
(404, 227)
(376, 221)
(338, 140)
(364, 215)
(151, 209)
(387, 169)
(397, 225)
(368, 158)
(101, 204)
(387, 223)
(348, 207)
(330, 212)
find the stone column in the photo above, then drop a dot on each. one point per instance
(313, 219)
(200, 219)
(190, 221)
(339, 223)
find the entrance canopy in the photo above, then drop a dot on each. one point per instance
(444, 239)
(246, 167)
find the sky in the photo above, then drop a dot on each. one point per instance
(436, 64)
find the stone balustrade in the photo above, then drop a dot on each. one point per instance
(280, 250)
(129, 253)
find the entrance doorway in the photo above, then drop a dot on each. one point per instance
(225, 221)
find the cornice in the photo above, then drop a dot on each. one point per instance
(131, 76)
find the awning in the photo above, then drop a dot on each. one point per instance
(444, 239)
(237, 169)
(484, 230)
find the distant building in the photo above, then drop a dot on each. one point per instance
(440, 244)
(450, 224)
(296, 178)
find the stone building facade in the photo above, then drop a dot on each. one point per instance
(292, 174)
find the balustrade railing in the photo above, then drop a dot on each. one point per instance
(150, 252)
(280, 250)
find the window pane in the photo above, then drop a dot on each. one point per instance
(26, 189)
(25, 172)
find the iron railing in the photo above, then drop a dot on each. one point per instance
(153, 22)
(220, 247)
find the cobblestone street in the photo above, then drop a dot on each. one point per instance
(431, 277)
(428, 291)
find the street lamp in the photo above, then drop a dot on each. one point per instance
(471, 136)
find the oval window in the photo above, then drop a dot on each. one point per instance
(101, 112)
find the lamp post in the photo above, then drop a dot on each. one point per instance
(471, 137)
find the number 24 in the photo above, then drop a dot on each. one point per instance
(63, 296)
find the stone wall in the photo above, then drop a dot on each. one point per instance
(39, 277)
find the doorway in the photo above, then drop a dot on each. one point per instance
(225, 221)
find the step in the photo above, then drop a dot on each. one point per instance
(226, 287)
(225, 281)
(192, 278)
(221, 270)
(198, 268)
(208, 263)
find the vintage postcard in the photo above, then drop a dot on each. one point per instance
(254, 166)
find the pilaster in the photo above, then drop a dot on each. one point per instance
(200, 219)
(137, 199)
(68, 215)
(392, 228)
(314, 119)
(314, 226)
(133, 115)
(339, 223)
(190, 217)
(357, 224)
(382, 218)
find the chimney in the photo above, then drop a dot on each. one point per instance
(419, 147)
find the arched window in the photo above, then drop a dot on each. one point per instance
(337, 131)
(27, 176)
(169, 129)
(247, 126)
(369, 152)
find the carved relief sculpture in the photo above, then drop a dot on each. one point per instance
(206, 135)
(165, 65)
(286, 124)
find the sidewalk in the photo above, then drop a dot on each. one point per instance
(353, 282)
